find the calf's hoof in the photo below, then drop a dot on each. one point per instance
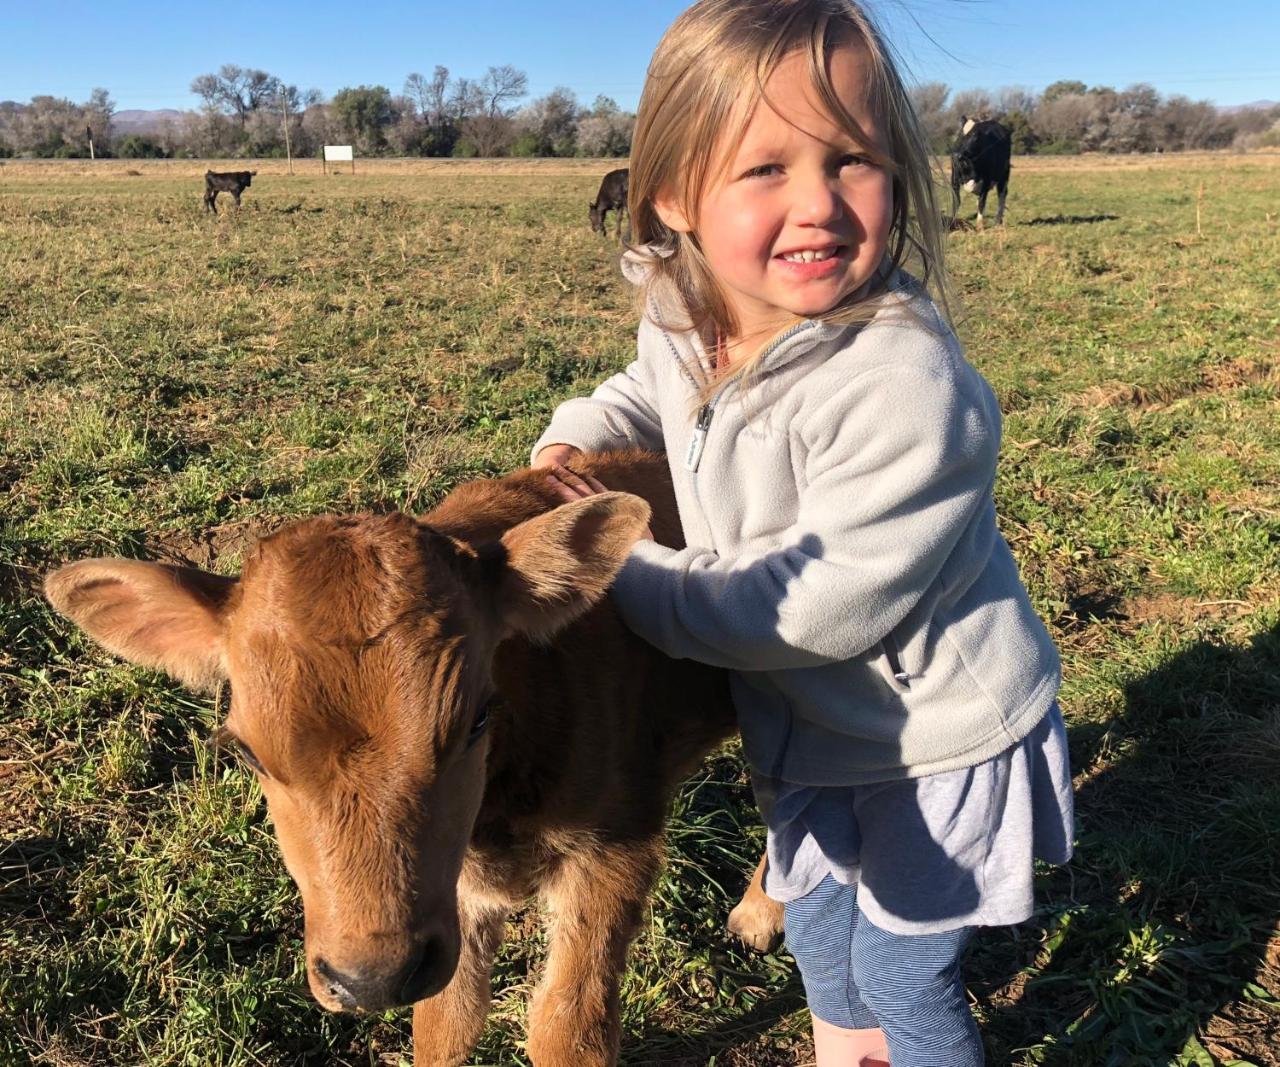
(757, 922)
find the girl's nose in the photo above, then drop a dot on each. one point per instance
(818, 203)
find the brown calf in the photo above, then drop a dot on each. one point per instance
(447, 718)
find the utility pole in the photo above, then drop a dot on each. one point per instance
(89, 133)
(284, 107)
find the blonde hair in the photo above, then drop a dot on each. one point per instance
(694, 91)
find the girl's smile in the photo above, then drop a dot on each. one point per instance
(808, 263)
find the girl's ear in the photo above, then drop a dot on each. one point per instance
(671, 211)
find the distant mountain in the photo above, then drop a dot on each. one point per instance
(126, 122)
(1256, 105)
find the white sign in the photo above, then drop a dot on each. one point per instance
(338, 153)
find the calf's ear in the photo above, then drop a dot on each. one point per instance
(556, 566)
(167, 617)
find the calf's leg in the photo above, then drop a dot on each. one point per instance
(447, 1026)
(1002, 192)
(596, 900)
(757, 920)
(983, 189)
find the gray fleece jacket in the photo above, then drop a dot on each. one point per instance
(843, 559)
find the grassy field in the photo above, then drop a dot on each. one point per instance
(172, 385)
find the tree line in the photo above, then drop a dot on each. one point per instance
(251, 113)
(1070, 117)
(246, 112)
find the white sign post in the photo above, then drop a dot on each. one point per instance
(339, 153)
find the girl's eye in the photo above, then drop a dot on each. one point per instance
(762, 171)
(853, 160)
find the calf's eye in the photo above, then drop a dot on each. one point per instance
(246, 754)
(480, 723)
(224, 738)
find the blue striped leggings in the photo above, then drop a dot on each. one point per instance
(858, 976)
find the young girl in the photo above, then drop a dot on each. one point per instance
(833, 457)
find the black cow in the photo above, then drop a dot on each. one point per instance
(979, 160)
(611, 197)
(234, 182)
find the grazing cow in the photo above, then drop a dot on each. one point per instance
(611, 197)
(447, 717)
(234, 182)
(980, 160)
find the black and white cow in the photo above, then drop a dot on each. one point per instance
(234, 182)
(980, 160)
(611, 197)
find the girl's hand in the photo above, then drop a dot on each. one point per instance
(571, 487)
(555, 455)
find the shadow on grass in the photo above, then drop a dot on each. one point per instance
(659, 1047)
(1067, 220)
(35, 877)
(1157, 931)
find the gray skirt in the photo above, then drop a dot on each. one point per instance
(934, 853)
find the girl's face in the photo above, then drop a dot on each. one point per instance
(799, 218)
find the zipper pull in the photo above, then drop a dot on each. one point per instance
(900, 676)
(699, 439)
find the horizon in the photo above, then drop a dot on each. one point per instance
(986, 44)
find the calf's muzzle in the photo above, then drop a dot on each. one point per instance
(381, 984)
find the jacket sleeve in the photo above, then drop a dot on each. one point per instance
(900, 462)
(621, 413)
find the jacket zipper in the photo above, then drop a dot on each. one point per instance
(895, 664)
(698, 442)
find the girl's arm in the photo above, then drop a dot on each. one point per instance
(899, 472)
(619, 414)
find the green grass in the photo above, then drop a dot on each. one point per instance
(172, 385)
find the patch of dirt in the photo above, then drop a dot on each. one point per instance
(203, 549)
(1238, 373)
(1218, 378)
(1091, 602)
(1257, 500)
(1165, 606)
(1248, 1030)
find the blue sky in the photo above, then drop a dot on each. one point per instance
(147, 53)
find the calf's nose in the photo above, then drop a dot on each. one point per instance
(377, 988)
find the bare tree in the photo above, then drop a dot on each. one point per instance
(1012, 98)
(430, 98)
(416, 89)
(237, 91)
(489, 136)
(973, 104)
(930, 103)
(501, 87)
(1064, 120)
(437, 96)
(465, 100)
(487, 123)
